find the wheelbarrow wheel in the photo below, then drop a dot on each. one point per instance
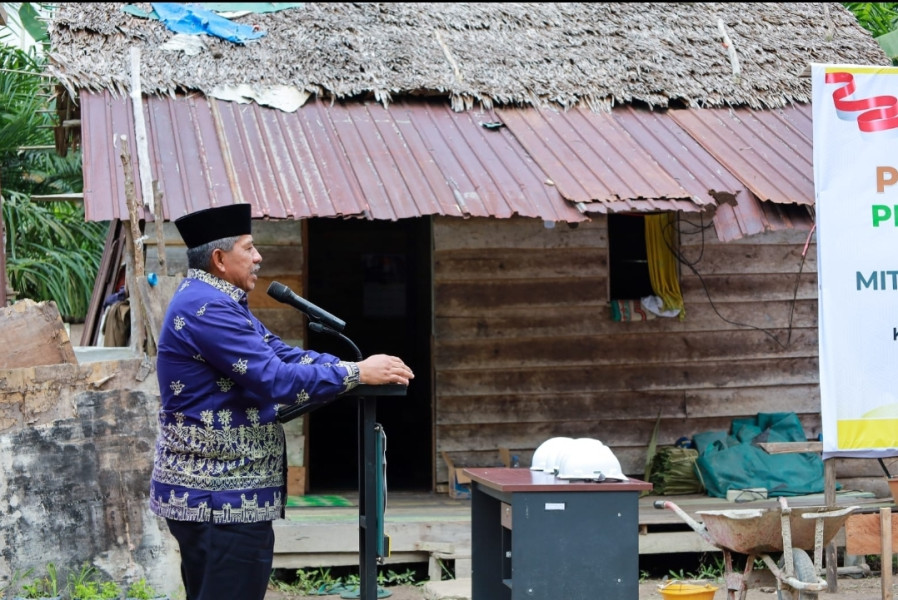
(805, 572)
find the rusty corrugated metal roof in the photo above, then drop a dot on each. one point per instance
(360, 159)
(421, 158)
(770, 151)
(608, 162)
(686, 160)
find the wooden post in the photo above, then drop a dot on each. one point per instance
(829, 497)
(134, 253)
(159, 220)
(885, 528)
(140, 134)
(866, 534)
(136, 243)
(152, 196)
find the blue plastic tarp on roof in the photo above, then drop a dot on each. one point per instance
(194, 19)
(255, 7)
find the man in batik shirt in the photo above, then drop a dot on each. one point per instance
(218, 474)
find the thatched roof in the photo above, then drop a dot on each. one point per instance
(662, 54)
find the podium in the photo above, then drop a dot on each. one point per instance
(373, 544)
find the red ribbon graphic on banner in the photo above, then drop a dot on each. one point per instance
(878, 113)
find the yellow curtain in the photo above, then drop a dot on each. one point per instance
(659, 239)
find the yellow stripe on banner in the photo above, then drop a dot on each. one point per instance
(863, 70)
(867, 433)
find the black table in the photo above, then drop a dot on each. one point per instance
(536, 537)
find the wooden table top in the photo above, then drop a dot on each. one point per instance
(504, 479)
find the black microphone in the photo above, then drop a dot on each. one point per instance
(282, 293)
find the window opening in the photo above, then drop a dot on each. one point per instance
(627, 258)
(643, 270)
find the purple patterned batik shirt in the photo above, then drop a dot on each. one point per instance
(220, 452)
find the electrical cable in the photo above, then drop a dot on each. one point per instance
(701, 228)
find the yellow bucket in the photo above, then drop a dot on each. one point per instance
(688, 591)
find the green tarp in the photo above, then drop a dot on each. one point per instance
(733, 461)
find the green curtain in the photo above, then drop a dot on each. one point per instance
(659, 239)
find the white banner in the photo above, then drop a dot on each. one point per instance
(855, 120)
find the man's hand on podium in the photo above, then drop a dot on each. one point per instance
(380, 369)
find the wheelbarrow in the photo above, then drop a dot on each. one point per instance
(759, 533)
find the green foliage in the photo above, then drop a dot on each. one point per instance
(445, 571)
(44, 586)
(85, 574)
(21, 124)
(141, 590)
(13, 581)
(394, 578)
(31, 22)
(323, 582)
(52, 252)
(97, 590)
(308, 581)
(27, 17)
(706, 571)
(85, 585)
(879, 18)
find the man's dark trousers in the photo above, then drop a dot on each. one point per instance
(224, 561)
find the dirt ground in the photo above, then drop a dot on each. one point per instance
(867, 588)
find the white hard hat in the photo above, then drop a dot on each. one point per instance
(588, 458)
(546, 456)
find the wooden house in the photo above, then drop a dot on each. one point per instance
(467, 186)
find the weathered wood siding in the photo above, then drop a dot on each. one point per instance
(281, 245)
(525, 348)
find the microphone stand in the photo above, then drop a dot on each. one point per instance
(374, 546)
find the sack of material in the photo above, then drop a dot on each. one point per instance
(734, 461)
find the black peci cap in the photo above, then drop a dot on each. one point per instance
(210, 224)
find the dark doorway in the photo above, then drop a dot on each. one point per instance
(375, 275)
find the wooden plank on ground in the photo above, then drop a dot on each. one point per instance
(34, 335)
(863, 534)
(789, 447)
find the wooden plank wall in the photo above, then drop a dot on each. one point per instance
(525, 348)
